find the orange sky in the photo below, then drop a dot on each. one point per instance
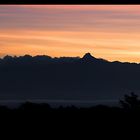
(109, 32)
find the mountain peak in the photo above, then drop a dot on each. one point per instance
(88, 56)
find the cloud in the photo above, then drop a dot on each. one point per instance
(105, 30)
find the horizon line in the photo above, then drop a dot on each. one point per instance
(53, 57)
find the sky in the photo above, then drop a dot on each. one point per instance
(110, 32)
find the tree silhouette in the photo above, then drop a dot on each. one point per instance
(130, 102)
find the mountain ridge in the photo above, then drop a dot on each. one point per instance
(66, 78)
(87, 57)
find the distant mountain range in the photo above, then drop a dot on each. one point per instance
(66, 78)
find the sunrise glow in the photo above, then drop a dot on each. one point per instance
(110, 32)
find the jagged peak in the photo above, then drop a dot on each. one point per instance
(88, 56)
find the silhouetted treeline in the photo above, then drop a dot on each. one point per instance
(72, 120)
(130, 103)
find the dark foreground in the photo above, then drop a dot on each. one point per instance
(70, 120)
(43, 112)
(41, 118)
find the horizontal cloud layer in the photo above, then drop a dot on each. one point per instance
(108, 31)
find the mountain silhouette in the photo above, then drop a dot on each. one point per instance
(66, 78)
(88, 57)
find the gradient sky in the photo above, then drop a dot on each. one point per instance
(111, 32)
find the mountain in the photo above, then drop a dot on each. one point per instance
(66, 78)
(88, 57)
